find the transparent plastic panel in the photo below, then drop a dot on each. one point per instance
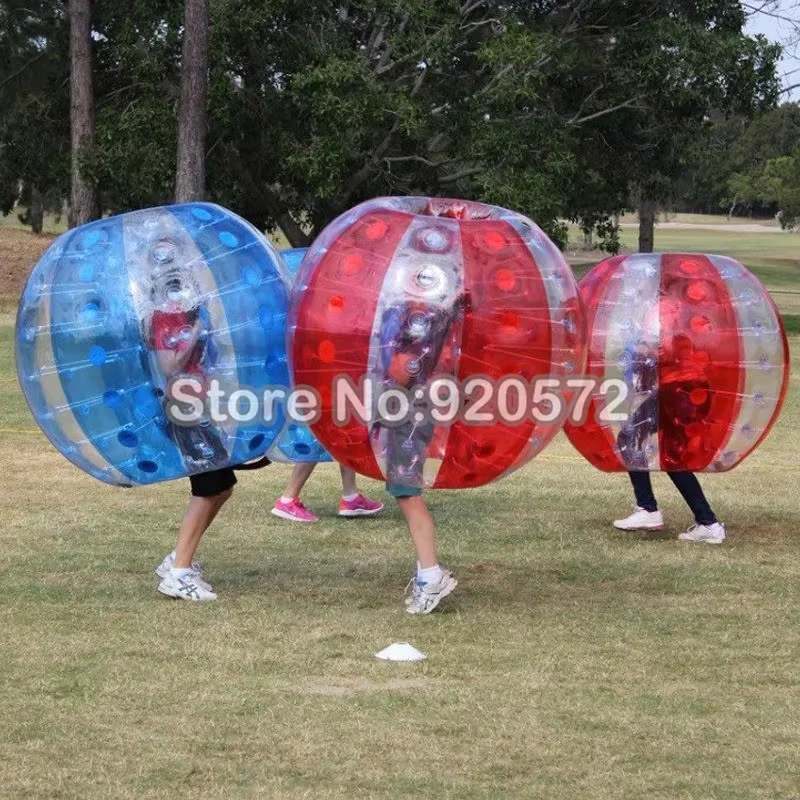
(566, 319)
(402, 290)
(420, 304)
(712, 347)
(334, 306)
(765, 361)
(296, 443)
(119, 309)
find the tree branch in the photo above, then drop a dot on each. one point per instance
(374, 161)
(472, 26)
(420, 159)
(294, 233)
(603, 113)
(496, 78)
(376, 35)
(368, 168)
(22, 69)
(762, 9)
(418, 54)
(460, 175)
(583, 104)
(286, 222)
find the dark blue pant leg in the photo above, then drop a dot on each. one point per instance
(691, 491)
(643, 489)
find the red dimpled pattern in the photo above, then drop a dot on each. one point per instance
(496, 298)
(702, 353)
(335, 323)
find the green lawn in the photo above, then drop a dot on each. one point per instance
(773, 257)
(52, 224)
(702, 219)
(55, 225)
(572, 661)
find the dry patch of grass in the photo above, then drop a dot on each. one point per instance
(20, 251)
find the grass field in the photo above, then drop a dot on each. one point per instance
(573, 660)
(701, 219)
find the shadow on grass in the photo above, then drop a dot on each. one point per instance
(792, 323)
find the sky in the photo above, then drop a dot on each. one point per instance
(780, 21)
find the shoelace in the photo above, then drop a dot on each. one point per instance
(414, 583)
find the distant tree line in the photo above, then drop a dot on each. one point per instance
(291, 112)
(746, 167)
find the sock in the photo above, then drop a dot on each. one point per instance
(429, 574)
(180, 572)
(285, 499)
(349, 497)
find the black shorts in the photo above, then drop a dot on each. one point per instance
(210, 484)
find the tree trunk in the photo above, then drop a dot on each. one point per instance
(286, 222)
(647, 222)
(36, 211)
(588, 240)
(83, 193)
(190, 180)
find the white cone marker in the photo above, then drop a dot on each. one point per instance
(400, 651)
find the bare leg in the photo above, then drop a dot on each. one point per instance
(422, 529)
(300, 474)
(348, 481)
(199, 516)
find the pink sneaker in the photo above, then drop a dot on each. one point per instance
(293, 510)
(359, 506)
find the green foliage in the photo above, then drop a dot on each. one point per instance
(137, 59)
(766, 155)
(558, 109)
(783, 175)
(34, 103)
(728, 167)
(675, 70)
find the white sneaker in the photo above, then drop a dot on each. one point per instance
(422, 598)
(186, 588)
(641, 520)
(710, 534)
(162, 570)
(409, 593)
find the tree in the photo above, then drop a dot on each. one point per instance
(138, 52)
(685, 61)
(34, 109)
(84, 204)
(780, 184)
(563, 109)
(560, 109)
(191, 173)
(755, 157)
(742, 190)
(472, 98)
